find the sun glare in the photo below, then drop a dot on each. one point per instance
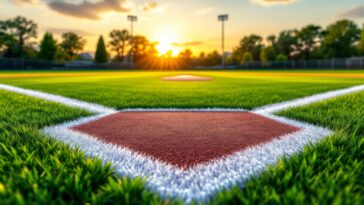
(165, 43)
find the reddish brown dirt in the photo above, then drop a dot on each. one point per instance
(185, 139)
(186, 78)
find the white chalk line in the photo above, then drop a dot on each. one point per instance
(201, 182)
(94, 108)
(198, 183)
(307, 100)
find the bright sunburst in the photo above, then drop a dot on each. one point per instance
(165, 42)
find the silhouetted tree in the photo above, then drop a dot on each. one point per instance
(308, 40)
(287, 43)
(339, 39)
(101, 53)
(119, 41)
(201, 59)
(263, 55)
(6, 43)
(152, 49)
(269, 53)
(48, 47)
(281, 58)
(252, 44)
(16, 35)
(361, 42)
(272, 40)
(72, 44)
(142, 48)
(186, 56)
(213, 59)
(247, 57)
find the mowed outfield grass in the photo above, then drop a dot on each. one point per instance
(229, 89)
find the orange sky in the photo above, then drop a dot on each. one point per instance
(178, 25)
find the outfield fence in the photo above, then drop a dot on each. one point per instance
(36, 64)
(19, 63)
(334, 63)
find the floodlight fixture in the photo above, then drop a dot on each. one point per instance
(132, 19)
(223, 18)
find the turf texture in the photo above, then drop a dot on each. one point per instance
(330, 172)
(35, 169)
(229, 89)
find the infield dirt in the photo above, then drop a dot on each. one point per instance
(185, 139)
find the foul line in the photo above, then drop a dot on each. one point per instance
(94, 108)
(273, 108)
(198, 183)
(105, 110)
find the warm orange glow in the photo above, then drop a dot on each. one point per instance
(165, 41)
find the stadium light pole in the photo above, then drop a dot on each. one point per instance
(132, 19)
(223, 18)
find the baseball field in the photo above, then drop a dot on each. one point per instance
(42, 161)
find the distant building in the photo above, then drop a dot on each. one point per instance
(86, 56)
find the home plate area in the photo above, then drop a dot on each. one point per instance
(188, 154)
(185, 139)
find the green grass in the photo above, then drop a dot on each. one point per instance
(35, 169)
(230, 89)
(330, 172)
(344, 113)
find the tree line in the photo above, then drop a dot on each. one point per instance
(18, 40)
(340, 39)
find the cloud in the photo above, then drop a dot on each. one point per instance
(86, 9)
(356, 12)
(60, 31)
(273, 2)
(149, 6)
(24, 2)
(153, 7)
(91, 9)
(185, 44)
(206, 10)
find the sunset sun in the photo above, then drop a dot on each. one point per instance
(165, 43)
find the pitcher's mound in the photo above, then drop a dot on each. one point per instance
(186, 78)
